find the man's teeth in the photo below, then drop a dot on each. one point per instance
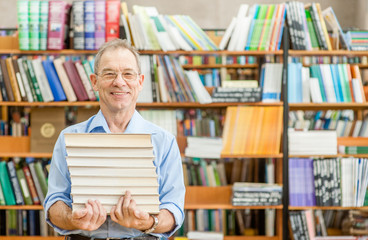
(118, 93)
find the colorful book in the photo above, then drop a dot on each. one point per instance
(89, 25)
(44, 21)
(112, 19)
(24, 187)
(15, 184)
(58, 24)
(75, 81)
(23, 24)
(54, 81)
(31, 186)
(100, 8)
(78, 29)
(34, 25)
(6, 185)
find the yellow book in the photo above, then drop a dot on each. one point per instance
(324, 28)
(187, 35)
(124, 10)
(13, 80)
(229, 129)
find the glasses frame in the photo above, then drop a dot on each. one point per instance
(121, 75)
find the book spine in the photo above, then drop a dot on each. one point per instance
(24, 187)
(6, 185)
(15, 184)
(31, 185)
(89, 25)
(34, 25)
(44, 17)
(23, 24)
(78, 30)
(58, 19)
(100, 7)
(27, 64)
(36, 181)
(13, 80)
(112, 19)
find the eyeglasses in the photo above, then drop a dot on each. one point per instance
(127, 75)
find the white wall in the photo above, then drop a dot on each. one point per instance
(216, 14)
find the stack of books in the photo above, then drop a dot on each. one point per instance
(312, 142)
(256, 194)
(104, 166)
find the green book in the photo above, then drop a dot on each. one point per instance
(344, 74)
(34, 80)
(257, 31)
(24, 187)
(316, 73)
(215, 172)
(2, 199)
(356, 149)
(23, 26)
(311, 30)
(266, 28)
(23, 62)
(44, 16)
(34, 25)
(366, 198)
(6, 185)
(41, 177)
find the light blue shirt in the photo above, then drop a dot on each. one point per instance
(168, 167)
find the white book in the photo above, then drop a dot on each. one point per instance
(162, 85)
(111, 152)
(315, 90)
(126, 28)
(114, 190)
(112, 172)
(25, 80)
(106, 162)
(244, 31)
(138, 42)
(229, 30)
(20, 84)
(357, 90)
(200, 91)
(150, 208)
(138, 19)
(42, 81)
(176, 36)
(305, 85)
(107, 140)
(85, 80)
(69, 92)
(357, 127)
(117, 182)
(113, 199)
(146, 94)
(166, 27)
(328, 83)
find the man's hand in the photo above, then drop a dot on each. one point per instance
(89, 218)
(128, 215)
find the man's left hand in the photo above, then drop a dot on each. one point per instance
(128, 215)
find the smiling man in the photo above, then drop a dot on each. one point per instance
(118, 80)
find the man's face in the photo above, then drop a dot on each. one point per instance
(116, 94)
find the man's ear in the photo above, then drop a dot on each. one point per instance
(93, 78)
(140, 82)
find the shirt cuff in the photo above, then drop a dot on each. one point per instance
(178, 216)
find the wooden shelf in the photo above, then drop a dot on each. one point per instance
(327, 53)
(139, 105)
(280, 155)
(204, 66)
(201, 197)
(327, 208)
(25, 154)
(326, 106)
(31, 238)
(330, 156)
(22, 207)
(145, 52)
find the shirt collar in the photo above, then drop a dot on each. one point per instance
(137, 124)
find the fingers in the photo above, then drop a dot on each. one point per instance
(126, 204)
(142, 215)
(95, 211)
(79, 213)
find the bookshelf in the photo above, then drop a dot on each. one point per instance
(196, 197)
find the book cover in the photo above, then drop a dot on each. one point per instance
(8, 88)
(13, 79)
(112, 19)
(75, 80)
(100, 12)
(24, 187)
(46, 124)
(34, 25)
(54, 81)
(44, 22)
(42, 81)
(27, 64)
(31, 95)
(15, 183)
(21, 83)
(23, 24)
(31, 186)
(85, 80)
(65, 82)
(58, 25)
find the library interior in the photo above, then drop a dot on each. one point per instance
(262, 153)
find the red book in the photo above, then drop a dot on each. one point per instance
(31, 186)
(112, 19)
(58, 22)
(76, 81)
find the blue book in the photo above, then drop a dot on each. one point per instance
(251, 27)
(89, 25)
(336, 84)
(295, 90)
(340, 83)
(54, 81)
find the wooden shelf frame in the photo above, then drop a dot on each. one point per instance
(303, 53)
(296, 208)
(205, 66)
(327, 106)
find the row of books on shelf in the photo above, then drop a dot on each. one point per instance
(332, 83)
(318, 225)
(222, 172)
(309, 60)
(22, 183)
(229, 222)
(343, 121)
(256, 194)
(24, 223)
(198, 60)
(328, 182)
(259, 131)
(312, 142)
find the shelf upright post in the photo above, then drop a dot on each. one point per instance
(285, 149)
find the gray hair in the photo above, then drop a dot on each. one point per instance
(113, 45)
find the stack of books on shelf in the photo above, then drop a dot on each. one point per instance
(252, 130)
(203, 147)
(313, 142)
(358, 40)
(358, 220)
(98, 171)
(256, 194)
(328, 182)
(258, 27)
(353, 149)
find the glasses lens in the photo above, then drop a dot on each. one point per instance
(128, 76)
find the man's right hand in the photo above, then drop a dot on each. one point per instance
(89, 218)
